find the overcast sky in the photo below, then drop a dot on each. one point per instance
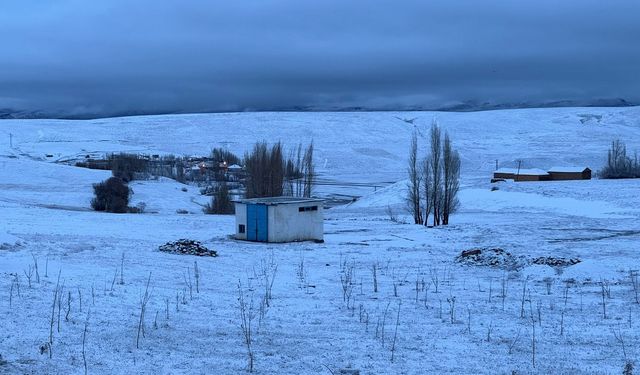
(111, 56)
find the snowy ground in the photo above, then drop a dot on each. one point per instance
(308, 326)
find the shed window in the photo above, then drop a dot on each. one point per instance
(241, 228)
(308, 208)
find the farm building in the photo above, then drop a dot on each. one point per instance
(570, 173)
(521, 174)
(279, 219)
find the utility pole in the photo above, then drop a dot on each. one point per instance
(518, 174)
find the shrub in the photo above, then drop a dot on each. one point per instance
(220, 202)
(111, 195)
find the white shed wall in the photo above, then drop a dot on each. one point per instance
(287, 224)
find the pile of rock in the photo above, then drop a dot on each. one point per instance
(556, 262)
(491, 257)
(186, 246)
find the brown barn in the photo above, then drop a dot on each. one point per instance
(569, 173)
(521, 174)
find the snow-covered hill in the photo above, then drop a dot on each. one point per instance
(44, 218)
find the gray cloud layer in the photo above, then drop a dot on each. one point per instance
(160, 56)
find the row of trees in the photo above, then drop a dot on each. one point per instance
(619, 165)
(434, 181)
(271, 174)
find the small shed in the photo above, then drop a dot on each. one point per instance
(279, 219)
(570, 173)
(522, 174)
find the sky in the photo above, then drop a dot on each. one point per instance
(107, 57)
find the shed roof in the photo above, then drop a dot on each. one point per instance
(272, 201)
(568, 169)
(522, 171)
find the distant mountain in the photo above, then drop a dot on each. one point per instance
(466, 106)
(471, 106)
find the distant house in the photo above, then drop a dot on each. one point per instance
(516, 174)
(234, 168)
(570, 173)
(279, 219)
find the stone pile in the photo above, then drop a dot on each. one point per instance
(186, 246)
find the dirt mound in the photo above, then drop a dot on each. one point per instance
(556, 262)
(491, 257)
(500, 258)
(185, 246)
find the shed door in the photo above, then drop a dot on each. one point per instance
(257, 222)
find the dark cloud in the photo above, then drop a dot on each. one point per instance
(78, 56)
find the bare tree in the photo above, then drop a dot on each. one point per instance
(451, 179)
(265, 171)
(435, 161)
(308, 171)
(415, 181)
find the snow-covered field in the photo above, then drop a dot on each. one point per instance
(308, 327)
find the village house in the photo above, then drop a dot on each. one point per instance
(570, 173)
(521, 174)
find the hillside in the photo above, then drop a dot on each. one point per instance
(450, 315)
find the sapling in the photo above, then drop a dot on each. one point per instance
(68, 308)
(144, 299)
(395, 334)
(29, 275)
(515, 340)
(166, 303)
(633, 275)
(155, 321)
(503, 285)
(426, 294)
(188, 282)
(246, 317)
(620, 339)
(533, 341)
(53, 313)
(269, 268)
(489, 331)
(35, 264)
(452, 308)
(548, 281)
(196, 272)
(604, 301)
(122, 270)
(113, 282)
(433, 273)
(384, 322)
(524, 289)
(84, 340)
(16, 280)
(374, 271)
(562, 322)
(60, 294)
(11, 294)
(80, 299)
